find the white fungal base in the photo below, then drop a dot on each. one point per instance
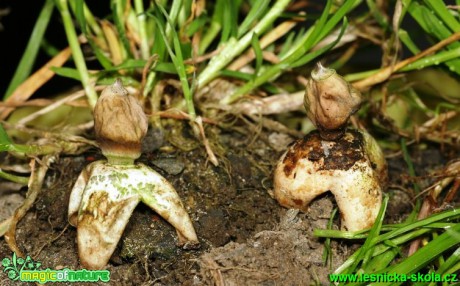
(103, 200)
(357, 190)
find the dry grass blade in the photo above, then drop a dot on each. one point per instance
(35, 185)
(180, 115)
(5, 225)
(113, 43)
(274, 104)
(202, 58)
(430, 204)
(212, 157)
(214, 269)
(41, 102)
(385, 73)
(49, 108)
(35, 81)
(198, 7)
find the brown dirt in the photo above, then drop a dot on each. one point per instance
(246, 237)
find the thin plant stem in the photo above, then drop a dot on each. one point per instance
(13, 178)
(76, 51)
(139, 6)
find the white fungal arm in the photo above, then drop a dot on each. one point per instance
(352, 170)
(376, 157)
(77, 194)
(165, 201)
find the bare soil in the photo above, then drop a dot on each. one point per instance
(246, 237)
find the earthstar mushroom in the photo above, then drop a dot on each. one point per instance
(348, 163)
(107, 192)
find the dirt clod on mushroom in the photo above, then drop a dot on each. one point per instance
(337, 155)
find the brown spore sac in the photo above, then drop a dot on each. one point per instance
(341, 154)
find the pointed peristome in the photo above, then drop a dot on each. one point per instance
(330, 101)
(120, 123)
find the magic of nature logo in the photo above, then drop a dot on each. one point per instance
(28, 270)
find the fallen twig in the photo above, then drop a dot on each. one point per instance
(35, 185)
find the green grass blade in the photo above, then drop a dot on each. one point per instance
(172, 18)
(6, 145)
(234, 48)
(435, 27)
(49, 48)
(178, 61)
(436, 59)
(310, 38)
(257, 10)
(67, 72)
(421, 258)
(139, 6)
(258, 52)
(288, 43)
(299, 40)
(374, 233)
(292, 60)
(13, 178)
(367, 250)
(228, 22)
(450, 262)
(274, 70)
(158, 47)
(81, 18)
(382, 260)
(5, 141)
(76, 51)
(377, 14)
(80, 15)
(407, 41)
(319, 25)
(197, 24)
(439, 7)
(419, 224)
(131, 64)
(327, 253)
(214, 28)
(236, 74)
(400, 233)
(310, 56)
(337, 17)
(383, 247)
(268, 87)
(28, 58)
(110, 79)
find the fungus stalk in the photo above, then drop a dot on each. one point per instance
(348, 163)
(107, 191)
